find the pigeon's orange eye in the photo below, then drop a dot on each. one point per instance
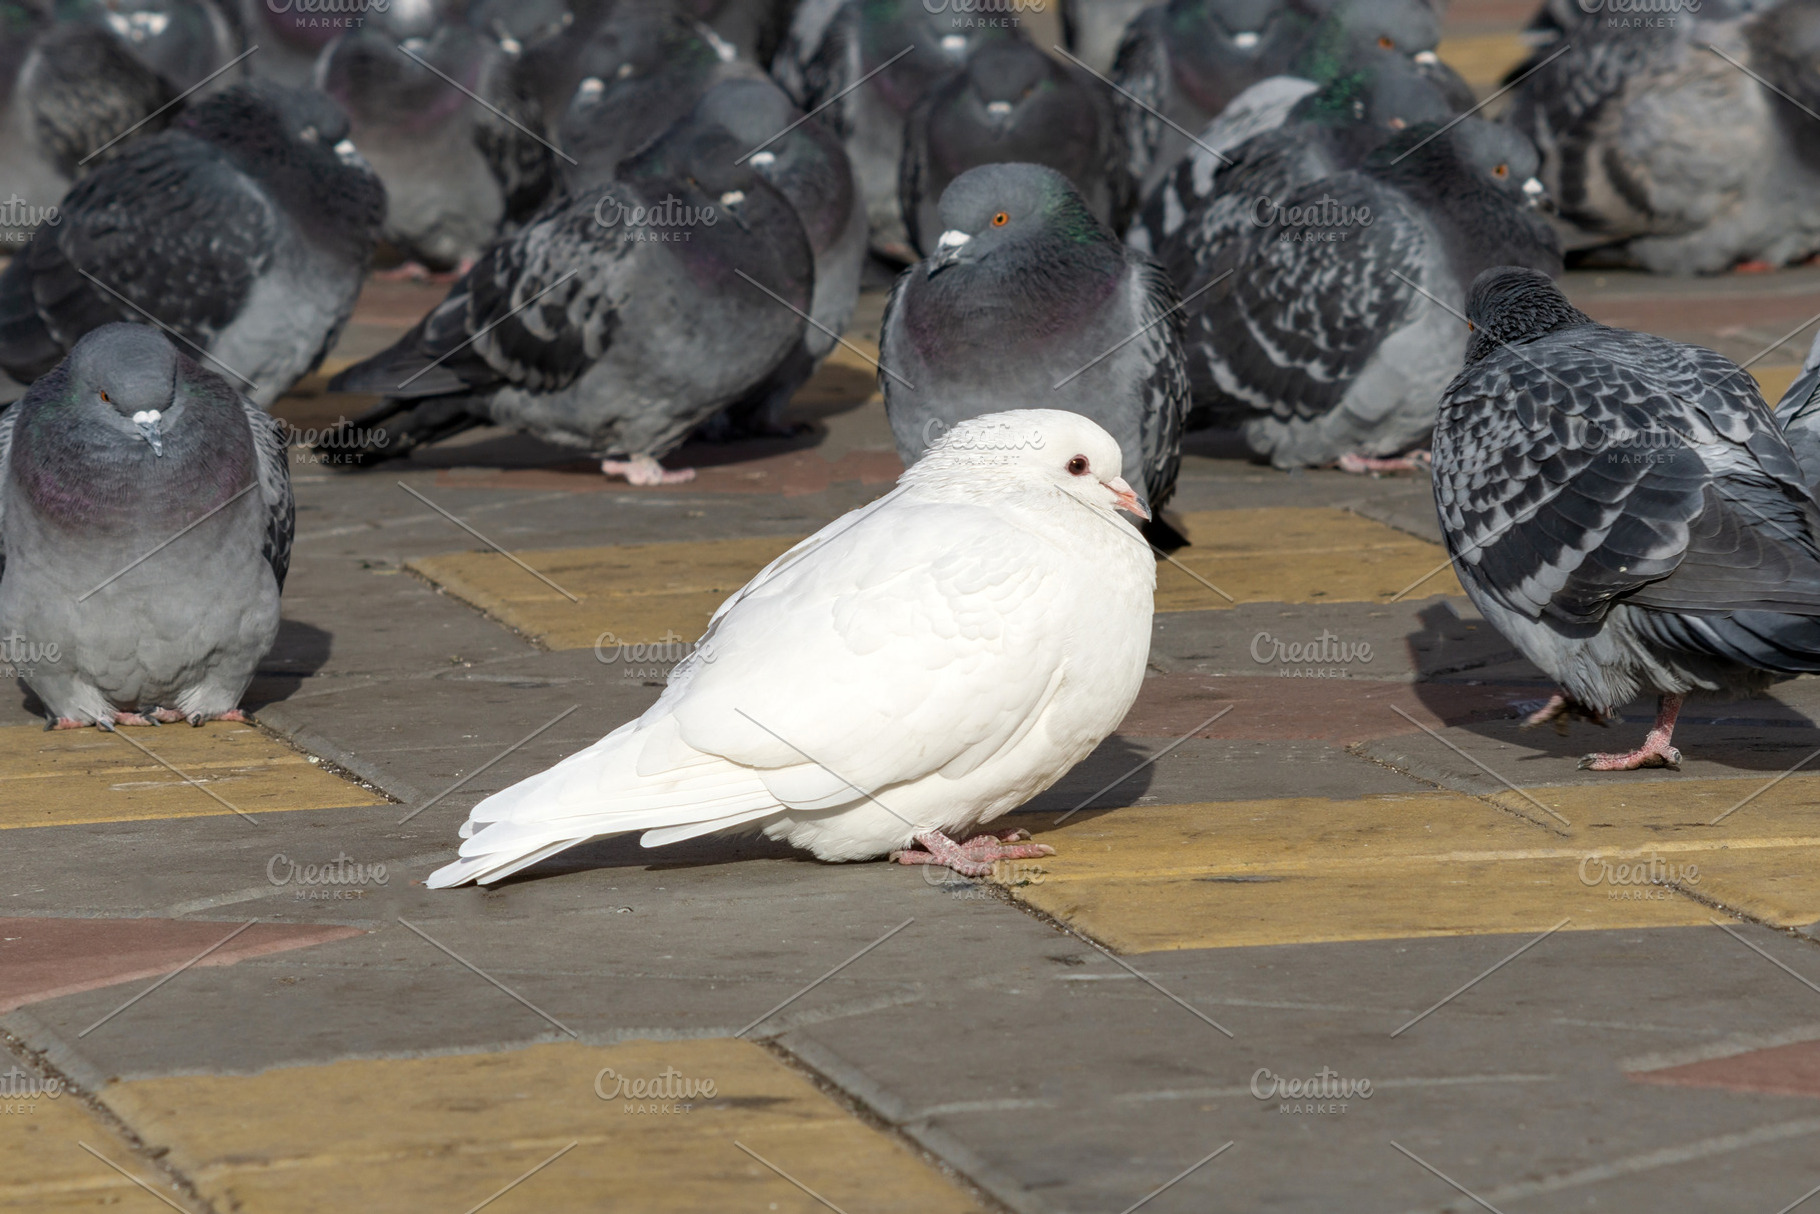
(105, 400)
(1502, 170)
(1078, 465)
(1000, 220)
(1387, 42)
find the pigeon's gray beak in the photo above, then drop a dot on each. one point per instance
(1127, 499)
(1536, 195)
(146, 422)
(947, 251)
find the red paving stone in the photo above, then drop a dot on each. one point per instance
(48, 958)
(1783, 1070)
(1341, 711)
(789, 474)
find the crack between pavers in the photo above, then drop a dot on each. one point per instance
(39, 1060)
(1488, 798)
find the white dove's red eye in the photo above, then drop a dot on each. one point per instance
(1078, 465)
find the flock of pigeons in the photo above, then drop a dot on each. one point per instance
(1282, 216)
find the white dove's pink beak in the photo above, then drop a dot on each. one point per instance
(1126, 498)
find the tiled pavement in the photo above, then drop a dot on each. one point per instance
(224, 988)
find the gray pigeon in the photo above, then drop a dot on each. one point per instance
(445, 123)
(1199, 207)
(1329, 325)
(1687, 147)
(246, 229)
(69, 96)
(616, 321)
(1030, 302)
(1013, 103)
(1624, 509)
(808, 167)
(145, 532)
(868, 62)
(642, 70)
(186, 42)
(1798, 413)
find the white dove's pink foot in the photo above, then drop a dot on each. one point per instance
(976, 856)
(1415, 461)
(1655, 751)
(644, 470)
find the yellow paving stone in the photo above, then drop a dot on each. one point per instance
(444, 1133)
(652, 593)
(1298, 555)
(1483, 59)
(1774, 381)
(635, 594)
(63, 777)
(44, 1168)
(1301, 870)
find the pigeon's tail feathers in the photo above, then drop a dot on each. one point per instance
(396, 428)
(403, 371)
(601, 791)
(1762, 640)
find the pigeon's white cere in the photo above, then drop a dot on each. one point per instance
(732, 198)
(1245, 40)
(952, 239)
(926, 663)
(762, 160)
(998, 109)
(146, 416)
(593, 86)
(954, 44)
(1533, 188)
(1426, 58)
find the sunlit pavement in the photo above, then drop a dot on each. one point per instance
(1352, 942)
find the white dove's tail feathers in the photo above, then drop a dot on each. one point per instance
(599, 791)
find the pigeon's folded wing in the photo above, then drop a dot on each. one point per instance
(1141, 74)
(1596, 465)
(1158, 348)
(167, 234)
(274, 472)
(1295, 311)
(7, 416)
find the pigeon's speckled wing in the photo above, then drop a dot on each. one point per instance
(7, 416)
(1141, 73)
(1301, 309)
(274, 487)
(170, 226)
(1596, 464)
(1798, 413)
(1166, 395)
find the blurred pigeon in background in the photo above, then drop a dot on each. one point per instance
(1624, 509)
(898, 48)
(1329, 326)
(959, 645)
(641, 71)
(1325, 133)
(246, 229)
(186, 42)
(443, 122)
(616, 321)
(1094, 28)
(809, 168)
(1013, 103)
(145, 532)
(69, 97)
(1683, 147)
(1030, 302)
(754, 28)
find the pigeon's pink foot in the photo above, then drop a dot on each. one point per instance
(1553, 710)
(1655, 751)
(1754, 267)
(1559, 711)
(232, 714)
(644, 470)
(51, 723)
(976, 856)
(1359, 465)
(167, 716)
(133, 718)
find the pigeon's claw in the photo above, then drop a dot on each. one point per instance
(1655, 751)
(197, 719)
(644, 470)
(976, 856)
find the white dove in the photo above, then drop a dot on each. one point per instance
(911, 671)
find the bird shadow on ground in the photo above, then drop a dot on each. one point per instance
(1084, 789)
(300, 651)
(1476, 682)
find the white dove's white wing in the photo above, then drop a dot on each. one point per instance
(912, 639)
